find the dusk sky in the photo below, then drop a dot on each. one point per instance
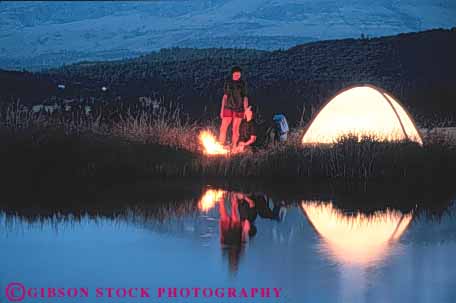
(108, 30)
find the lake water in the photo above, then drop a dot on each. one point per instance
(311, 249)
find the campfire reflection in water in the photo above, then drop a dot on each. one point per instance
(318, 252)
(357, 240)
(237, 222)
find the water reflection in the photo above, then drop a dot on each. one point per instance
(313, 249)
(210, 198)
(237, 214)
(357, 242)
(349, 239)
(359, 239)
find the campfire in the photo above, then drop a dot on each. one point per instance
(210, 145)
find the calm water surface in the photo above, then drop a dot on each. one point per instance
(310, 248)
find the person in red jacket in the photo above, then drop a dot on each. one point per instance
(234, 103)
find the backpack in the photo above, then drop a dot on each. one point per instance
(270, 133)
(281, 127)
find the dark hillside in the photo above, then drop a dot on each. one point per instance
(418, 68)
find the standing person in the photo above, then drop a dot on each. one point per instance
(234, 103)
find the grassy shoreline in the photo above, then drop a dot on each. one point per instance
(41, 150)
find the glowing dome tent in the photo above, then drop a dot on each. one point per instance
(359, 240)
(363, 110)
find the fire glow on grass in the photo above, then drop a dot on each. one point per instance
(210, 198)
(359, 240)
(211, 145)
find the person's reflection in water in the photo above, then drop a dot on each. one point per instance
(263, 209)
(237, 227)
(247, 213)
(233, 232)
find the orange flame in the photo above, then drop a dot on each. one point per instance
(210, 144)
(210, 198)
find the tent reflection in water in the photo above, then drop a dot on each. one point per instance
(363, 110)
(358, 240)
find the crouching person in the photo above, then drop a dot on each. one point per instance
(247, 132)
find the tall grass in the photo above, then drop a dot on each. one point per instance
(142, 143)
(167, 125)
(16, 117)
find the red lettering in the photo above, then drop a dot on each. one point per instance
(244, 293)
(121, 292)
(253, 292)
(205, 292)
(61, 292)
(31, 292)
(110, 292)
(99, 292)
(218, 294)
(85, 292)
(145, 293)
(172, 294)
(51, 293)
(161, 291)
(196, 292)
(232, 292)
(265, 293)
(187, 292)
(277, 292)
(130, 292)
(72, 292)
(17, 295)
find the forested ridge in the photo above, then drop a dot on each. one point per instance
(418, 68)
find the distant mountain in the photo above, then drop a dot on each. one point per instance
(418, 68)
(36, 35)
